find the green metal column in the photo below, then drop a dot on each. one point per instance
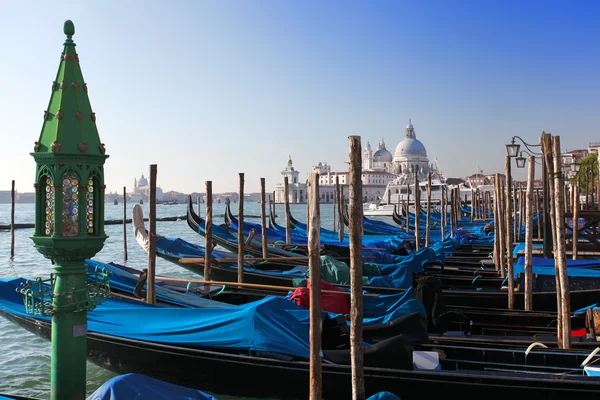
(69, 184)
(69, 344)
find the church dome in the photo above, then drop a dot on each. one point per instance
(382, 155)
(410, 147)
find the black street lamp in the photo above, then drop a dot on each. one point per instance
(513, 151)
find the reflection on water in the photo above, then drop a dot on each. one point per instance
(25, 360)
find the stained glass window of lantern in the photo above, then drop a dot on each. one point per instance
(89, 204)
(70, 192)
(49, 206)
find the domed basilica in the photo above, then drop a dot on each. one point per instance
(409, 157)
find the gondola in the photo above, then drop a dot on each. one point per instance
(269, 377)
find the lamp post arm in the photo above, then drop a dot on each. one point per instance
(527, 145)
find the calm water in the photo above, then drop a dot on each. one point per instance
(25, 358)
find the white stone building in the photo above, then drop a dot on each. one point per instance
(296, 189)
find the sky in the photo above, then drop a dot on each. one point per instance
(209, 89)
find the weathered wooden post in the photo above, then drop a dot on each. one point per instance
(125, 222)
(443, 212)
(208, 232)
(472, 204)
(241, 243)
(428, 219)
(263, 218)
(12, 220)
(501, 225)
(560, 254)
(417, 212)
(536, 203)
(355, 237)
(549, 170)
(509, 238)
(496, 215)
(274, 203)
(288, 223)
(575, 219)
(529, 235)
(150, 287)
(407, 207)
(69, 221)
(452, 202)
(334, 201)
(513, 207)
(314, 266)
(340, 208)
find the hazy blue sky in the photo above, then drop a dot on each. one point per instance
(209, 89)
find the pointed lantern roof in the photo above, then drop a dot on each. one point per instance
(69, 126)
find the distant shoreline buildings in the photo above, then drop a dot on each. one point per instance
(379, 169)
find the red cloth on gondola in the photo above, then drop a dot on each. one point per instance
(335, 303)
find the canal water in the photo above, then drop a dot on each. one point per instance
(25, 358)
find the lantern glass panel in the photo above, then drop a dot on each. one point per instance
(70, 212)
(89, 207)
(48, 206)
(512, 149)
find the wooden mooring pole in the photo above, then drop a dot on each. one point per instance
(240, 255)
(340, 208)
(12, 220)
(288, 223)
(443, 213)
(356, 267)
(125, 222)
(263, 218)
(509, 237)
(428, 219)
(536, 204)
(575, 219)
(551, 210)
(150, 288)
(417, 211)
(496, 215)
(208, 231)
(314, 267)
(529, 235)
(560, 253)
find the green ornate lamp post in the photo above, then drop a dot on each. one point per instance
(69, 221)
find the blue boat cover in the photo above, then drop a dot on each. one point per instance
(384, 396)
(545, 266)
(549, 262)
(137, 386)
(272, 324)
(124, 281)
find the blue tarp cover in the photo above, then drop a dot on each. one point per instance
(137, 386)
(545, 266)
(273, 324)
(384, 396)
(549, 262)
